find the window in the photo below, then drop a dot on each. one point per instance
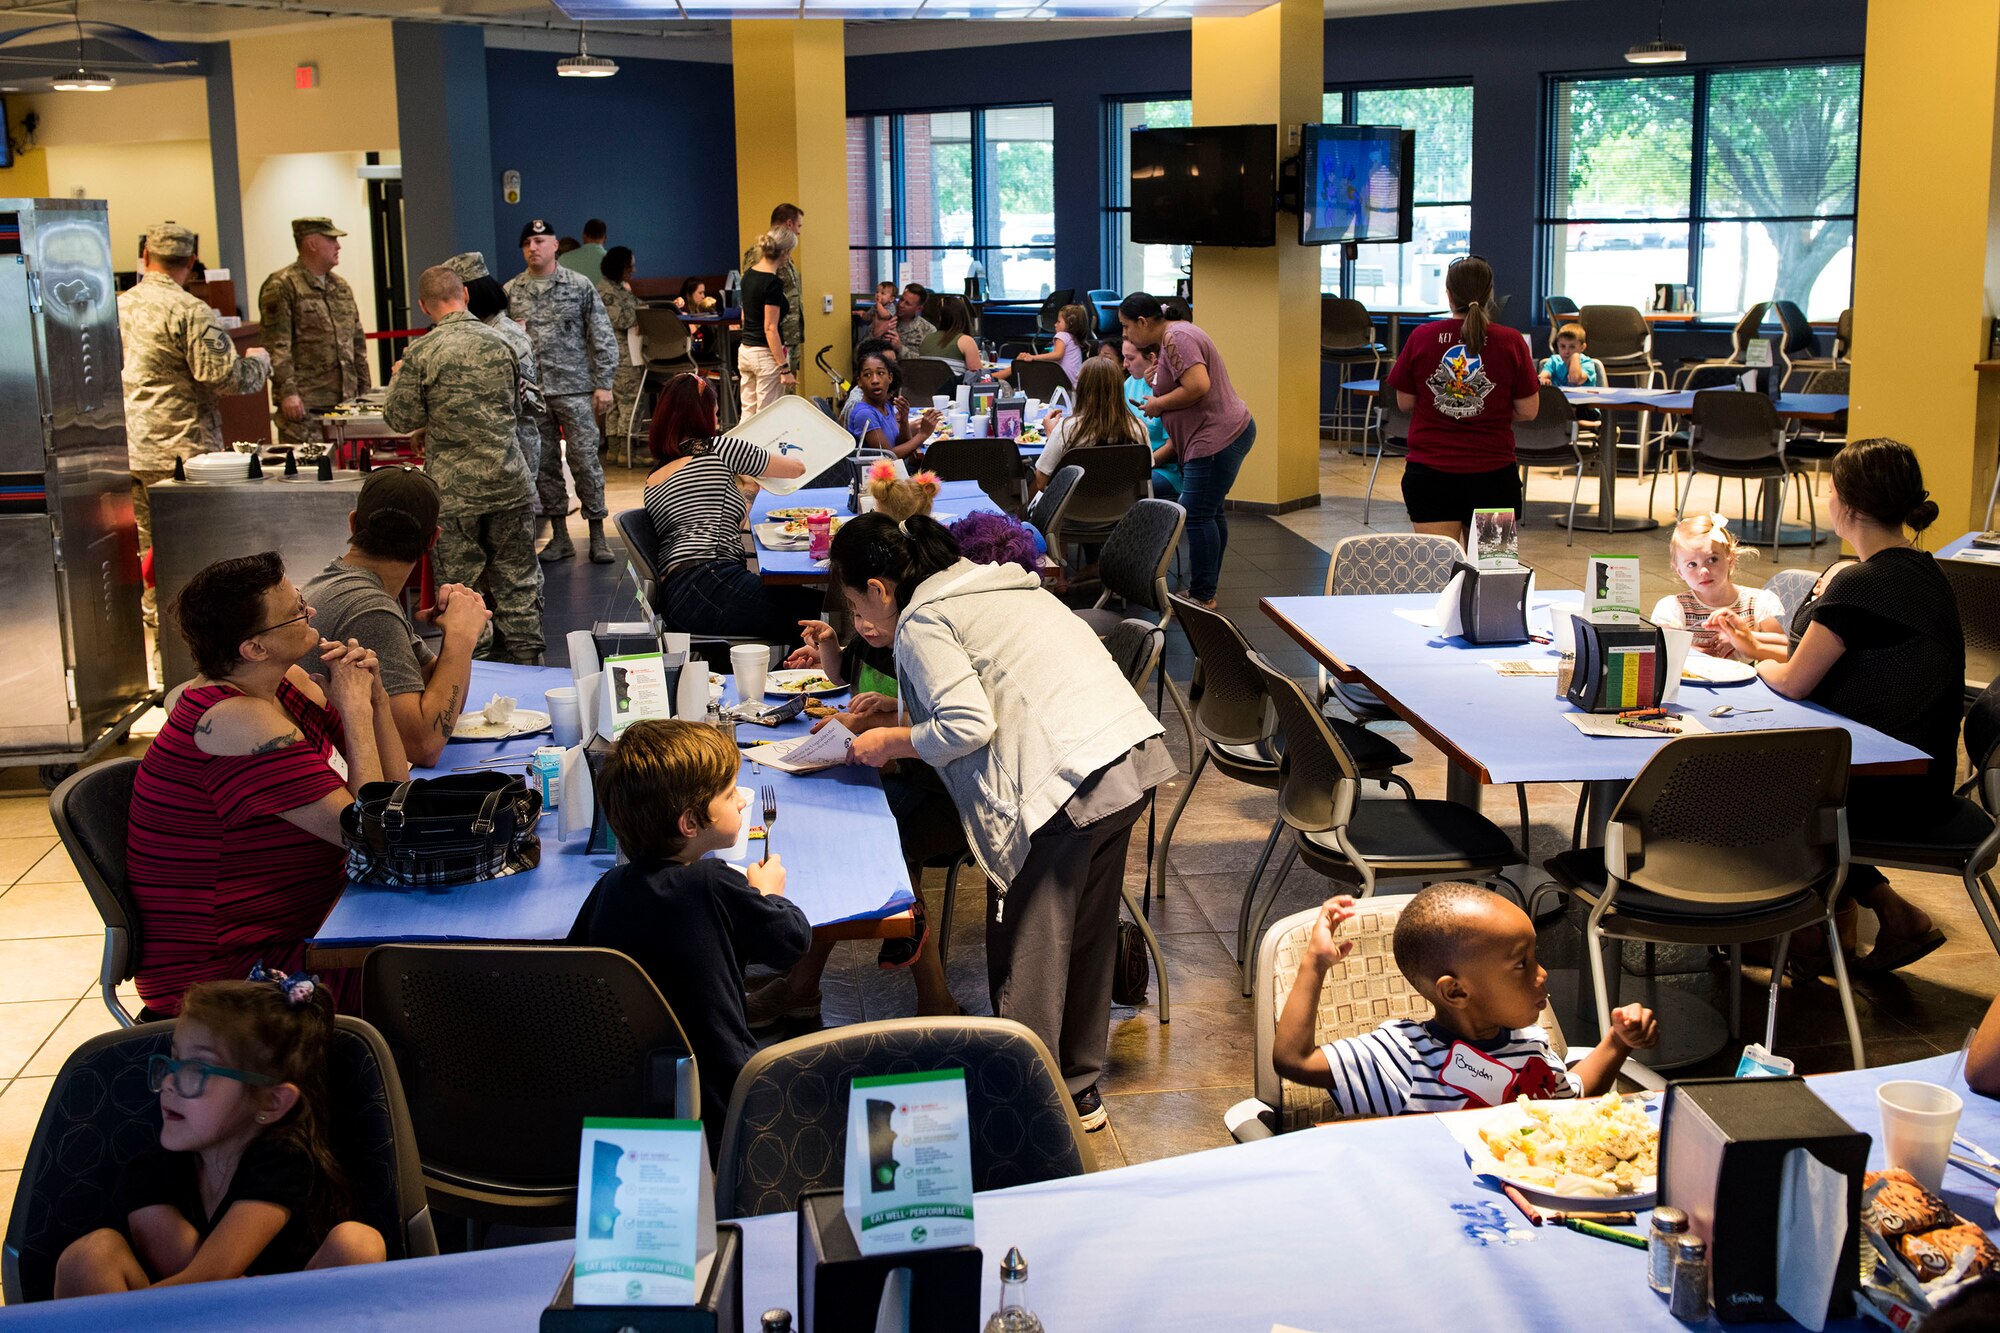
(1738, 182)
(1138, 268)
(941, 191)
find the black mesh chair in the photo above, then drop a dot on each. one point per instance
(1115, 477)
(1686, 860)
(1391, 440)
(1816, 442)
(1232, 727)
(504, 1051)
(1040, 379)
(1051, 310)
(1046, 507)
(1670, 443)
(787, 1128)
(1550, 441)
(667, 351)
(1736, 434)
(1133, 564)
(1798, 349)
(924, 378)
(92, 810)
(642, 555)
(994, 464)
(1621, 338)
(100, 1116)
(1748, 325)
(1347, 341)
(1976, 588)
(1843, 337)
(1560, 310)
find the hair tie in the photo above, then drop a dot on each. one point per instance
(296, 989)
(903, 526)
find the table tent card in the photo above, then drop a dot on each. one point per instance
(635, 687)
(1611, 589)
(909, 1162)
(645, 1212)
(1496, 540)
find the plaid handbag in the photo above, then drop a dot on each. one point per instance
(450, 830)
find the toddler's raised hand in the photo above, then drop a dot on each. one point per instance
(1326, 947)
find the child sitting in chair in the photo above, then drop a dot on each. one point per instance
(1727, 619)
(1568, 367)
(1471, 953)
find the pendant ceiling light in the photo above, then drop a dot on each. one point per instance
(584, 65)
(82, 80)
(1659, 51)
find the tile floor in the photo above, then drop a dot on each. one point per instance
(1167, 1085)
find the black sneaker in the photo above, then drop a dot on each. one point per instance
(1090, 1110)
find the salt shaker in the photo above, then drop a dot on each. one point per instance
(1689, 1299)
(1669, 1224)
(776, 1321)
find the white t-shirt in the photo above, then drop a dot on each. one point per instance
(1406, 1066)
(1053, 446)
(1683, 610)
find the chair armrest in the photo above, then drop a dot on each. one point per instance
(1249, 1120)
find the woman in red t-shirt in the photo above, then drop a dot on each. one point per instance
(234, 849)
(1464, 381)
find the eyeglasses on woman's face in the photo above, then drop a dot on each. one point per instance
(305, 613)
(190, 1077)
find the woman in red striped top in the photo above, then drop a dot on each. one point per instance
(235, 851)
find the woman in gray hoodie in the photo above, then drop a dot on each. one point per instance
(1047, 751)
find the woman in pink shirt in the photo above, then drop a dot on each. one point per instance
(1209, 425)
(1464, 381)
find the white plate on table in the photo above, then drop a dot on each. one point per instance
(1701, 669)
(1464, 1126)
(473, 726)
(790, 682)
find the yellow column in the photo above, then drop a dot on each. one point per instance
(1262, 306)
(1927, 256)
(791, 147)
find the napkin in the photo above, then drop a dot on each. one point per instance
(1445, 615)
(1679, 641)
(586, 672)
(577, 801)
(1812, 1226)
(499, 710)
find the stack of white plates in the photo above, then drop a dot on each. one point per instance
(218, 467)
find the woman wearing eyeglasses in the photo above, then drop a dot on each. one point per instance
(1464, 381)
(234, 851)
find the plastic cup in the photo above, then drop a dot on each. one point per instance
(565, 718)
(673, 641)
(1918, 1121)
(941, 401)
(751, 663)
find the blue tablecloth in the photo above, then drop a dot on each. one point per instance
(1346, 1227)
(835, 836)
(954, 498)
(1510, 728)
(1663, 400)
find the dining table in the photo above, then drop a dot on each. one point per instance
(834, 833)
(792, 563)
(1396, 314)
(1360, 1224)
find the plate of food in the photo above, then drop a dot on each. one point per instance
(1585, 1152)
(802, 681)
(797, 513)
(499, 720)
(1701, 669)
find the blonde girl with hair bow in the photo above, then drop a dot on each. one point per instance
(1728, 620)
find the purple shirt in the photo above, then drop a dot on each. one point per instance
(1072, 356)
(1212, 424)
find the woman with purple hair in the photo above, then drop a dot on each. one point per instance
(996, 539)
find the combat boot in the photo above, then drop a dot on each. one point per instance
(559, 547)
(600, 550)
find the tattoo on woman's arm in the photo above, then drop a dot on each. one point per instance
(279, 743)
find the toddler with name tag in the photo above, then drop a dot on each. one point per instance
(1471, 953)
(1728, 620)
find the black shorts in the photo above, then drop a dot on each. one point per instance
(1432, 496)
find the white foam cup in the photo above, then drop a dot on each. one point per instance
(1918, 1121)
(751, 663)
(565, 718)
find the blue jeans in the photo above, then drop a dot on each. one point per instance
(1205, 484)
(727, 597)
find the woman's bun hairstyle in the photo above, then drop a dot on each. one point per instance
(1882, 479)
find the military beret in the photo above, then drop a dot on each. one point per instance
(535, 228)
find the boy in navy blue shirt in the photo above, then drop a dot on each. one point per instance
(692, 922)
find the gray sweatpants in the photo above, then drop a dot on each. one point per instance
(1052, 951)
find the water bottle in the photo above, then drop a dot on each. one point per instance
(1013, 1316)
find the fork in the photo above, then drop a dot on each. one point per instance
(770, 795)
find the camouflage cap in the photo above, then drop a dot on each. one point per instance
(169, 240)
(535, 228)
(304, 227)
(469, 265)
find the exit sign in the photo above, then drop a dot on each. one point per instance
(305, 76)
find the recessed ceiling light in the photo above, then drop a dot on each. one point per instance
(584, 65)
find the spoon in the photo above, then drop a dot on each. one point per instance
(1724, 710)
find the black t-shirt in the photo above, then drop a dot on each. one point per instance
(760, 290)
(694, 928)
(272, 1171)
(1903, 668)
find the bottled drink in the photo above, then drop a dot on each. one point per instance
(1013, 1316)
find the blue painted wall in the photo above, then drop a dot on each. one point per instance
(651, 151)
(449, 190)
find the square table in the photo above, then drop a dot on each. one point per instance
(955, 499)
(843, 862)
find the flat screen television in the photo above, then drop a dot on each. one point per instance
(1355, 184)
(1209, 185)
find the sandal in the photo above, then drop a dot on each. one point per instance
(1892, 952)
(903, 951)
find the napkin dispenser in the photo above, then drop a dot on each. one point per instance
(718, 1303)
(1617, 667)
(1492, 603)
(840, 1289)
(1723, 1146)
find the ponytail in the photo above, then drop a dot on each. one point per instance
(1468, 285)
(900, 554)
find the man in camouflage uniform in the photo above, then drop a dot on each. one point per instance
(460, 385)
(576, 354)
(792, 328)
(622, 308)
(487, 300)
(313, 328)
(178, 363)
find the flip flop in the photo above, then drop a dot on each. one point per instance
(1892, 952)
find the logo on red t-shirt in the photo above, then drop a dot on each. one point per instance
(1460, 386)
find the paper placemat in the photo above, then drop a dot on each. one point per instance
(1519, 668)
(1608, 725)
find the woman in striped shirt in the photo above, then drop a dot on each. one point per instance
(235, 852)
(698, 508)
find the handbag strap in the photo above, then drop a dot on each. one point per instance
(392, 813)
(487, 809)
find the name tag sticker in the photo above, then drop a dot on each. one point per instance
(1484, 1080)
